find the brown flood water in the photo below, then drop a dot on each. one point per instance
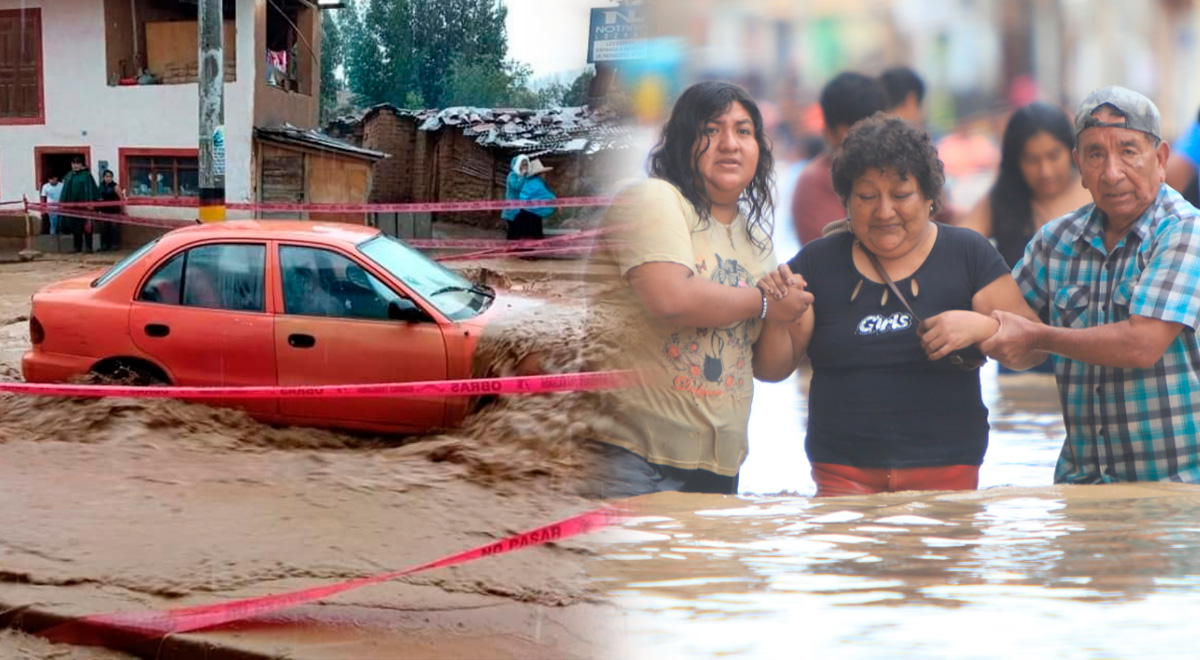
(120, 504)
(1018, 569)
(1050, 572)
(20, 646)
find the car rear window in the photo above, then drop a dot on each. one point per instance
(123, 264)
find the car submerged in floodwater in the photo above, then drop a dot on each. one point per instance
(273, 303)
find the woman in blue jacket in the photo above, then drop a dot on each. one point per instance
(512, 190)
(528, 222)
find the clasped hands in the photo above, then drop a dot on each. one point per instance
(787, 299)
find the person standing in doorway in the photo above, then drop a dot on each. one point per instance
(109, 231)
(79, 186)
(51, 194)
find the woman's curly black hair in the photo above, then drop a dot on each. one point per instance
(676, 158)
(883, 142)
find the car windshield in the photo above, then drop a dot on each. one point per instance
(123, 264)
(452, 294)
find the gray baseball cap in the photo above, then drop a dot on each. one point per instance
(1140, 112)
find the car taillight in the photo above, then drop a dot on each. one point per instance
(36, 333)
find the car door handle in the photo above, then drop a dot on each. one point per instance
(301, 341)
(157, 330)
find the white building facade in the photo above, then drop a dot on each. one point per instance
(81, 112)
(114, 81)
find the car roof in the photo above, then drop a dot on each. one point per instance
(300, 230)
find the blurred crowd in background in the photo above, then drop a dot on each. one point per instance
(960, 68)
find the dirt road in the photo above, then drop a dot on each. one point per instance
(139, 504)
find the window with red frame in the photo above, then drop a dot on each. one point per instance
(20, 65)
(162, 176)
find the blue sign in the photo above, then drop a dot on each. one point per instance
(218, 151)
(617, 33)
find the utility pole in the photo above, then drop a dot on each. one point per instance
(212, 110)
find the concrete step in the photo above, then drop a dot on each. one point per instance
(60, 243)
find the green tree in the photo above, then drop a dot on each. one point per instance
(550, 96)
(434, 53)
(388, 30)
(463, 38)
(578, 92)
(331, 57)
(355, 49)
(470, 82)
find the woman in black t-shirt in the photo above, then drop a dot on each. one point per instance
(883, 414)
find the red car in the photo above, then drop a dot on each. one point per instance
(273, 303)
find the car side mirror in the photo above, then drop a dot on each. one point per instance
(400, 309)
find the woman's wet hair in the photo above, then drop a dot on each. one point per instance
(884, 142)
(676, 158)
(1011, 197)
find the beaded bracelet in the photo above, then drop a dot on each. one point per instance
(764, 309)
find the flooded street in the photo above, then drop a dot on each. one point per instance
(1020, 568)
(140, 504)
(1050, 572)
(1027, 433)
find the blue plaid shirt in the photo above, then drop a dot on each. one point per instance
(1124, 424)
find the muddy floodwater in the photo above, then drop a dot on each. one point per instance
(1049, 572)
(1018, 569)
(137, 504)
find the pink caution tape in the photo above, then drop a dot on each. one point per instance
(589, 381)
(546, 246)
(428, 207)
(493, 254)
(121, 218)
(406, 207)
(457, 243)
(484, 248)
(89, 630)
(476, 244)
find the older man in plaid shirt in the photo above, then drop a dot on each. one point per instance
(1118, 285)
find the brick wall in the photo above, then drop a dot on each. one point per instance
(463, 170)
(392, 176)
(444, 165)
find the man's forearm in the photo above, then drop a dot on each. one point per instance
(1109, 345)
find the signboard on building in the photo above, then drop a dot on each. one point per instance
(616, 33)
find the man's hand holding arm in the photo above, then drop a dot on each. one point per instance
(1137, 343)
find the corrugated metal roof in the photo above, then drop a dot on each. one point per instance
(554, 130)
(313, 139)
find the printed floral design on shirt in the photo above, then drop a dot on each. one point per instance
(700, 358)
